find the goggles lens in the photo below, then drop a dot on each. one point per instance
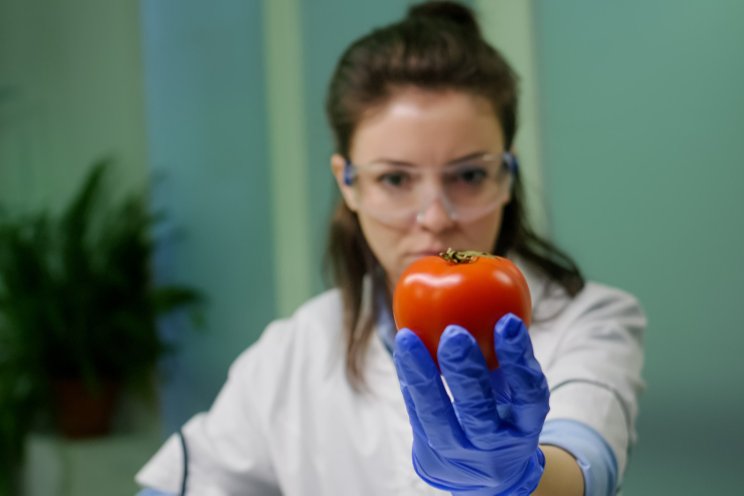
(398, 194)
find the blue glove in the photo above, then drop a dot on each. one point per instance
(486, 442)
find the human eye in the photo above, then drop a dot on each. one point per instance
(469, 174)
(394, 178)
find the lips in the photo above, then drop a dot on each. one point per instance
(428, 252)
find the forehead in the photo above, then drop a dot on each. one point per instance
(427, 126)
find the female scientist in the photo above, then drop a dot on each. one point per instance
(332, 401)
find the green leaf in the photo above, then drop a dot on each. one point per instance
(78, 299)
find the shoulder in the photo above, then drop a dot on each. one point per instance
(323, 310)
(607, 319)
(326, 306)
(318, 320)
(600, 317)
(598, 302)
(595, 302)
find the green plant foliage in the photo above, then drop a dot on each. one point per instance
(77, 300)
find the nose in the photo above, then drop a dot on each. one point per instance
(438, 215)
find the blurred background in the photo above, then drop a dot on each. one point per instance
(631, 142)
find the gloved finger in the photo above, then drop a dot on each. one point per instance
(523, 374)
(418, 429)
(421, 446)
(468, 378)
(419, 375)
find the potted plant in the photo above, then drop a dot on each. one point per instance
(17, 406)
(79, 307)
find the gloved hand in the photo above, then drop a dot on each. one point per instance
(486, 441)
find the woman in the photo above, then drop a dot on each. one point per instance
(424, 117)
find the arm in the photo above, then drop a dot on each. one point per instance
(227, 449)
(595, 381)
(562, 475)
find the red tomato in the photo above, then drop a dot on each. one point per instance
(470, 289)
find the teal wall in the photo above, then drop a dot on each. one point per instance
(643, 109)
(71, 91)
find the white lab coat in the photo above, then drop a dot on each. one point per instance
(288, 422)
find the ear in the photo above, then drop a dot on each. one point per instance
(338, 163)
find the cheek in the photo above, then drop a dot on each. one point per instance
(483, 234)
(383, 241)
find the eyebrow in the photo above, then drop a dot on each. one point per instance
(404, 163)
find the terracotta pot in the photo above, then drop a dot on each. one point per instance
(82, 413)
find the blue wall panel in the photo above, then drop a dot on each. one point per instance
(207, 144)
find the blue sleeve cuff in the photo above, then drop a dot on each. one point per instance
(153, 492)
(593, 454)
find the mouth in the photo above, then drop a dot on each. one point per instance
(427, 253)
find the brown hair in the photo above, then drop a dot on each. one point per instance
(437, 46)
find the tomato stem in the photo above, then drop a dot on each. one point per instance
(465, 256)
